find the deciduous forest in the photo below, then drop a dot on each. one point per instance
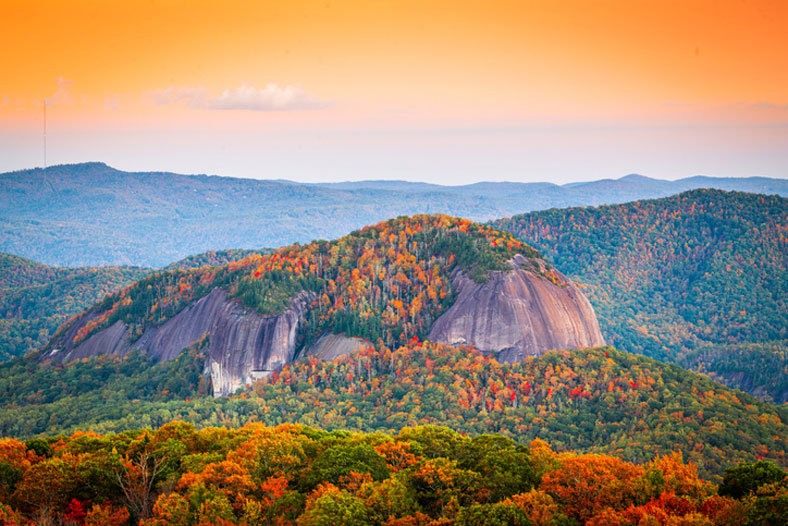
(699, 279)
(426, 475)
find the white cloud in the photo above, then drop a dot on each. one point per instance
(270, 98)
(62, 96)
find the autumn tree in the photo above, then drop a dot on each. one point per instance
(137, 478)
(745, 478)
(330, 506)
(586, 484)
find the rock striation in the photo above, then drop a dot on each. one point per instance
(331, 346)
(243, 345)
(518, 314)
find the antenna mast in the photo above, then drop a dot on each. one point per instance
(45, 134)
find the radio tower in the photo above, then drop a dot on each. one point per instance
(45, 133)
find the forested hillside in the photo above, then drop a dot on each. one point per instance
(35, 299)
(92, 214)
(594, 400)
(388, 283)
(421, 476)
(214, 258)
(700, 279)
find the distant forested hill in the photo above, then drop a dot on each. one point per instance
(700, 279)
(391, 281)
(92, 214)
(35, 299)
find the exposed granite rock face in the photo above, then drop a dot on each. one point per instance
(243, 345)
(518, 314)
(112, 341)
(331, 346)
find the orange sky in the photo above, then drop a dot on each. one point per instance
(389, 68)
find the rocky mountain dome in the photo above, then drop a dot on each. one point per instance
(427, 277)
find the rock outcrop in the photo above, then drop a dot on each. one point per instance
(518, 314)
(112, 341)
(331, 346)
(243, 345)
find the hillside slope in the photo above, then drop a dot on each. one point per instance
(700, 279)
(593, 400)
(391, 282)
(92, 214)
(35, 299)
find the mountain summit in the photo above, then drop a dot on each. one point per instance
(427, 276)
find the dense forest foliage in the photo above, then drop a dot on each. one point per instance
(757, 368)
(592, 400)
(25, 383)
(696, 279)
(214, 258)
(388, 281)
(293, 475)
(36, 299)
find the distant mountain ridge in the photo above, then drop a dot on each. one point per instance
(91, 214)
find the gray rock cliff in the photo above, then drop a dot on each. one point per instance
(243, 345)
(517, 314)
(331, 346)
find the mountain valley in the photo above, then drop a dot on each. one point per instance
(336, 334)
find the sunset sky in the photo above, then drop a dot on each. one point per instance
(446, 92)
